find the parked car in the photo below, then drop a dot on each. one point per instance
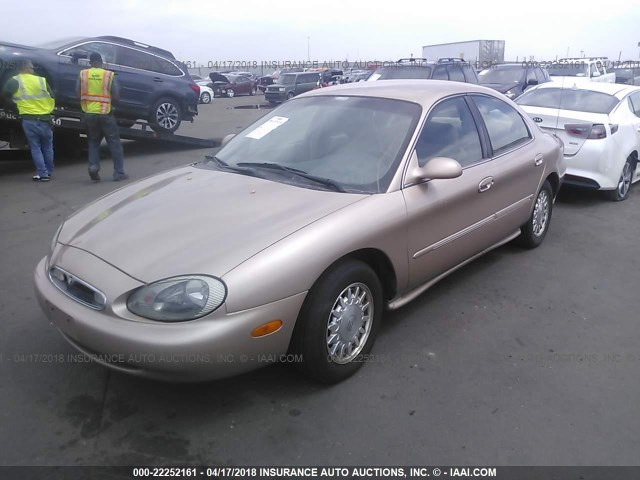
(599, 124)
(154, 85)
(416, 68)
(292, 240)
(292, 84)
(264, 82)
(206, 94)
(627, 73)
(238, 85)
(512, 79)
(578, 70)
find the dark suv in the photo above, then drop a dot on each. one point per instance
(512, 79)
(154, 86)
(291, 84)
(454, 69)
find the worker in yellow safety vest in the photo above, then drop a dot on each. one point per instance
(97, 89)
(33, 98)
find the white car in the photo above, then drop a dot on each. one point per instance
(599, 124)
(568, 71)
(206, 93)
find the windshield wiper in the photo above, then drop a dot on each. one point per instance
(225, 166)
(300, 173)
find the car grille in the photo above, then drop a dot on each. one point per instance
(77, 289)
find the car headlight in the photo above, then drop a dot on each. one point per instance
(178, 298)
(511, 93)
(281, 89)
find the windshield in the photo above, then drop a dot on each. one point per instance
(355, 143)
(503, 75)
(56, 44)
(395, 73)
(569, 99)
(287, 80)
(568, 70)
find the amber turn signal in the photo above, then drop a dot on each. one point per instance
(267, 328)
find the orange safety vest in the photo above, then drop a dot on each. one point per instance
(95, 90)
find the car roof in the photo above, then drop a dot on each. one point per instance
(615, 89)
(424, 92)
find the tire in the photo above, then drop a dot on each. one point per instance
(253, 91)
(231, 93)
(290, 95)
(624, 183)
(325, 353)
(533, 232)
(205, 97)
(166, 115)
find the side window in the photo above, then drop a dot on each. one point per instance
(440, 73)
(531, 75)
(600, 66)
(506, 127)
(455, 73)
(106, 50)
(634, 103)
(539, 75)
(469, 75)
(450, 131)
(160, 65)
(128, 57)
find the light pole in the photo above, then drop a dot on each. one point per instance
(308, 56)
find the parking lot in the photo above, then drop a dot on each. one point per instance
(520, 358)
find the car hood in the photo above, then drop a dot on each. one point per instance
(194, 220)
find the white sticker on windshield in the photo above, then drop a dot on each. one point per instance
(268, 126)
(373, 77)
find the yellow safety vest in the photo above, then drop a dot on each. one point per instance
(95, 90)
(32, 97)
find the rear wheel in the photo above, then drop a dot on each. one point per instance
(166, 116)
(338, 322)
(533, 232)
(205, 97)
(624, 183)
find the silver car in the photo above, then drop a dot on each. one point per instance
(290, 243)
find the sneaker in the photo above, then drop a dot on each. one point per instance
(94, 176)
(117, 178)
(38, 178)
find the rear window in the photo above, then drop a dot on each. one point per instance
(398, 73)
(569, 99)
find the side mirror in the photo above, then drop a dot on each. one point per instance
(436, 168)
(75, 56)
(227, 138)
(532, 81)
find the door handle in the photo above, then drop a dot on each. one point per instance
(485, 184)
(538, 160)
(157, 79)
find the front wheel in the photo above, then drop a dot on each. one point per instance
(231, 93)
(205, 97)
(624, 183)
(338, 322)
(166, 116)
(290, 95)
(533, 232)
(253, 91)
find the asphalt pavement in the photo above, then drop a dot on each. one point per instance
(520, 358)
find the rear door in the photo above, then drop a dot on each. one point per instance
(136, 80)
(449, 220)
(518, 163)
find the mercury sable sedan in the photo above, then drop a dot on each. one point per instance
(300, 232)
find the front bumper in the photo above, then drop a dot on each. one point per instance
(212, 347)
(277, 97)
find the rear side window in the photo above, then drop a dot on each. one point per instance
(506, 128)
(531, 75)
(440, 73)
(469, 75)
(634, 103)
(539, 75)
(569, 99)
(455, 73)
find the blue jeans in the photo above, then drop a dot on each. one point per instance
(99, 127)
(40, 137)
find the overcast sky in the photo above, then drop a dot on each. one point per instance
(266, 30)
